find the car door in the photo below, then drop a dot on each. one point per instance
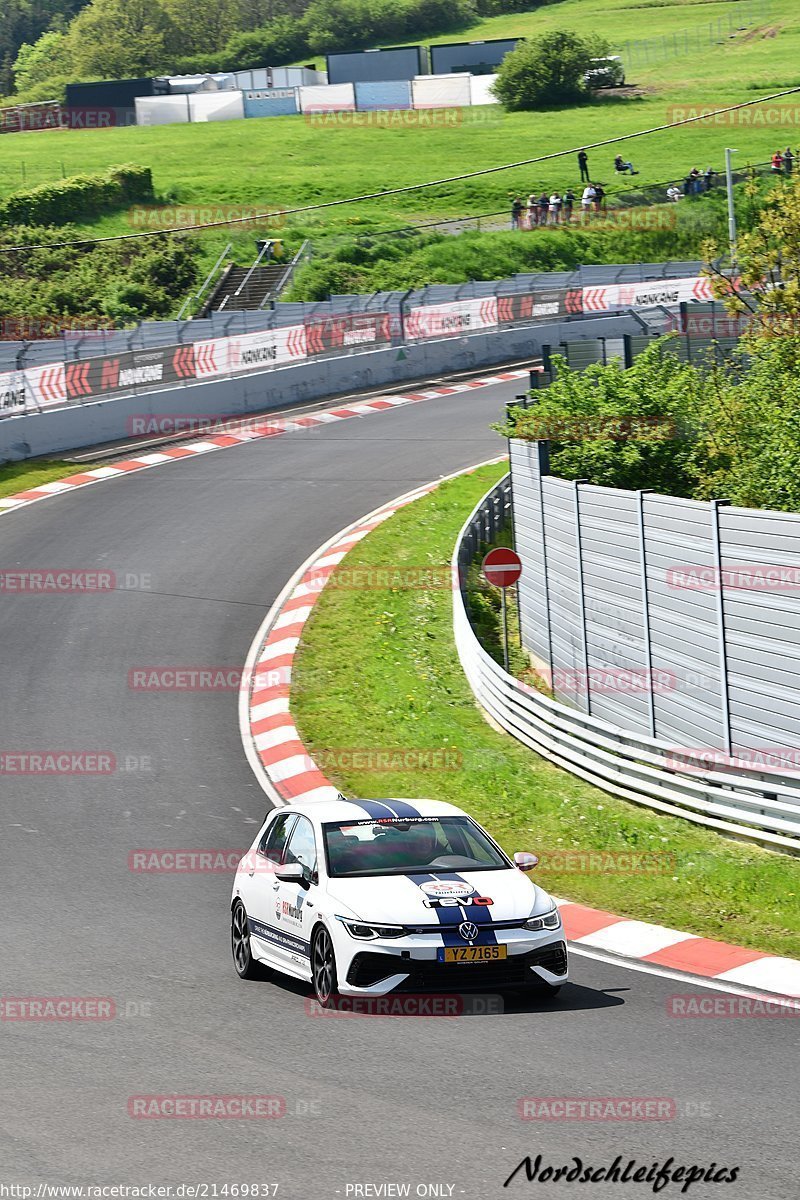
(296, 903)
(261, 884)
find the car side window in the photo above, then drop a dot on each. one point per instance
(302, 847)
(275, 836)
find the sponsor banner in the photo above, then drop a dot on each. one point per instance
(129, 371)
(31, 390)
(574, 300)
(450, 320)
(267, 348)
(341, 333)
(668, 292)
(532, 306)
(47, 385)
(14, 395)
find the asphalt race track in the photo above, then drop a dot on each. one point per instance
(211, 541)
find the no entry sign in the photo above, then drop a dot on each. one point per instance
(502, 567)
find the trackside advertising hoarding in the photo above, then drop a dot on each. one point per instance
(453, 319)
(35, 388)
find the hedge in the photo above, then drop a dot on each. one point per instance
(79, 198)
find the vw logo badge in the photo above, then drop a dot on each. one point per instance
(468, 931)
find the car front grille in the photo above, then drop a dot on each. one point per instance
(368, 969)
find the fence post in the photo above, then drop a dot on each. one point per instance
(543, 455)
(403, 316)
(648, 649)
(581, 591)
(721, 639)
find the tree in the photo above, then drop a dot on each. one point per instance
(113, 39)
(282, 41)
(40, 62)
(23, 21)
(547, 71)
(768, 264)
(204, 25)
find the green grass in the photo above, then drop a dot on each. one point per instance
(284, 162)
(18, 477)
(377, 669)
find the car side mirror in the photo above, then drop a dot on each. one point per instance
(525, 861)
(290, 873)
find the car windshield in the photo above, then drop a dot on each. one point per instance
(402, 846)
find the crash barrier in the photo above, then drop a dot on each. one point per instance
(153, 409)
(39, 375)
(755, 801)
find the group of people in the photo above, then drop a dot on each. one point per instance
(694, 183)
(556, 208)
(783, 162)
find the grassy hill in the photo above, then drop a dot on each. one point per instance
(287, 162)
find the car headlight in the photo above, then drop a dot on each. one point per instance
(548, 920)
(365, 932)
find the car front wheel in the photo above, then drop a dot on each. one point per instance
(246, 966)
(323, 967)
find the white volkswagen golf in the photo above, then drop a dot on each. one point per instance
(366, 897)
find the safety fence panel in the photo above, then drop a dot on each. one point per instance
(162, 110)
(441, 91)
(480, 89)
(322, 98)
(379, 97)
(271, 102)
(216, 106)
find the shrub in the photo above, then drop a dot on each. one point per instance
(118, 282)
(79, 198)
(547, 71)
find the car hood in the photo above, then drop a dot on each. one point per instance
(400, 899)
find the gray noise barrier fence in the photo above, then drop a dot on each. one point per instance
(671, 685)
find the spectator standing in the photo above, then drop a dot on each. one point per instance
(708, 178)
(788, 160)
(587, 199)
(599, 197)
(516, 212)
(544, 206)
(622, 167)
(777, 163)
(554, 212)
(533, 211)
(583, 163)
(569, 203)
(694, 178)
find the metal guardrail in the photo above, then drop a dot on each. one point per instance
(758, 804)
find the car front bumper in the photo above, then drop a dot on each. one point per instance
(378, 967)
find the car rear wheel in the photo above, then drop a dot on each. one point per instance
(246, 966)
(323, 968)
